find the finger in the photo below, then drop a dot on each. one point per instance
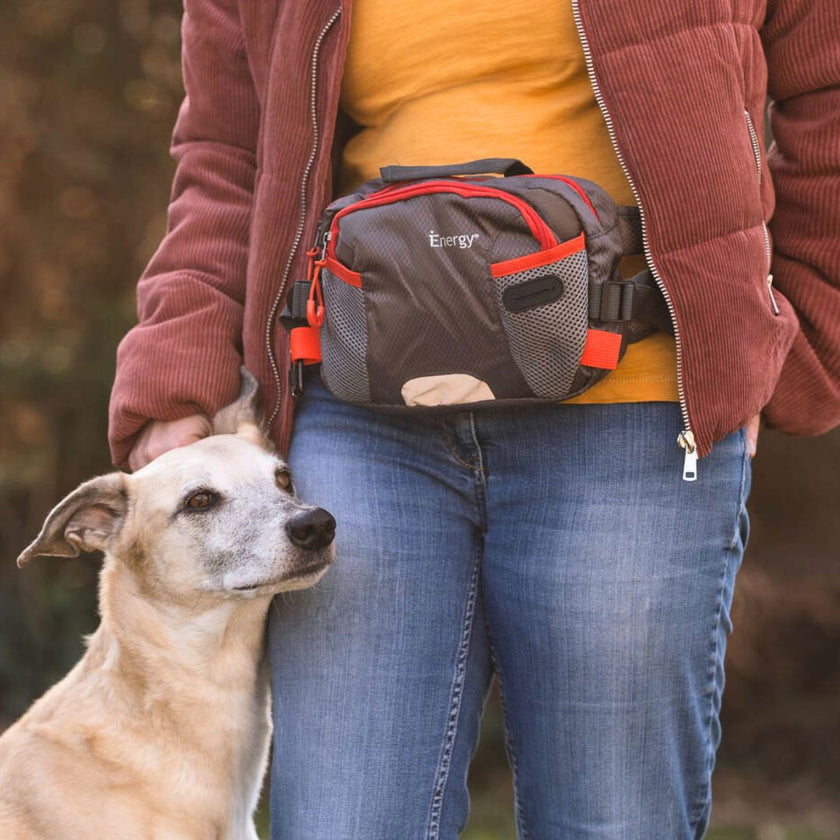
(199, 428)
(136, 458)
(751, 429)
(141, 453)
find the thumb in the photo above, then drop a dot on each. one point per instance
(751, 430)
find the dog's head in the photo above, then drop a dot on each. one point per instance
(219, 516)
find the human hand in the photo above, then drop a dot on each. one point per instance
(752, 434)
(160, 436)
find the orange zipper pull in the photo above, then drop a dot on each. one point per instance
(315, 311)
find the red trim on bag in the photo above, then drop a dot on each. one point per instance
(601, 349)
(537, 225)
(538, 258)
(342, 272)
(574, 185)
(305, 345)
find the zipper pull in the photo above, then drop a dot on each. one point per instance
(686, 440)
(772, 296)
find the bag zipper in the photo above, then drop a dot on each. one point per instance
(758, 171)
(303, 189)
(685, 439)
(566, 180)
(537, 225)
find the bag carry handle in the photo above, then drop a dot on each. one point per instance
(498, 166)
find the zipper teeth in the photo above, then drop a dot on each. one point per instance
(759, 174)
(570, 182)
(304, 184)
(754, 141)
(599, 98)
(531, 216)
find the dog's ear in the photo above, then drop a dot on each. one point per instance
(86, 520)
(242, 416)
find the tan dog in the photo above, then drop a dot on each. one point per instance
(161, 731)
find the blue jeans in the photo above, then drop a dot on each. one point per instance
(557, 546)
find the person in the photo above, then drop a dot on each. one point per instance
(556, 546)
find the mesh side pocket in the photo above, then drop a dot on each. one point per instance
(547, 339)
(344, 340)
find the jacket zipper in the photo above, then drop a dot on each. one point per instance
(758, 171)
(685, 439)
(304, 185)
(537, 225)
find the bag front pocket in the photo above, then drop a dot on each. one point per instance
(543, 303)
(344, 341)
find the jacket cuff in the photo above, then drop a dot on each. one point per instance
(163, 375)
(806, 400)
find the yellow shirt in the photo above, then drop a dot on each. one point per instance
(458, 80)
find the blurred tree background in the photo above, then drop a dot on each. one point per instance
(89, 90)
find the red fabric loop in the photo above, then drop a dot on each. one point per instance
(601, 350)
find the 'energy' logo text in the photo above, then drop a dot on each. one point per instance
(462, 241)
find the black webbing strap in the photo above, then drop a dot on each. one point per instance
(637, 298)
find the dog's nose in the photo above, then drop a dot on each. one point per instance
(311, 529)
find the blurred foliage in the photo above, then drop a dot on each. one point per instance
(88, 93)
(89, 90)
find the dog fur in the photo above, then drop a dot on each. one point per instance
(161, 731)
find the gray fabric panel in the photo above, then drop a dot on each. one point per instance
(430, 308)
(630, 230)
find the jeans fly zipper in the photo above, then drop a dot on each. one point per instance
(304, 187)
(685, 439)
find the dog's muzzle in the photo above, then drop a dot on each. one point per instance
(311, 529)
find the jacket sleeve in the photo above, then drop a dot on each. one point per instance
(803, 57)
(183, 357)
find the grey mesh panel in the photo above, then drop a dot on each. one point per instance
(344, 340)
(547, 341)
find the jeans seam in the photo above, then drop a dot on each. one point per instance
(456, 694)
(745, 460)
(447, 443)
(700, 809)
(509, 744)
(701, 806)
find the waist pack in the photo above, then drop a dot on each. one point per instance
(445, 286)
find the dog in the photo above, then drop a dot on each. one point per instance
(162, 729)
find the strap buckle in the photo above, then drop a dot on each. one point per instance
(612, 301)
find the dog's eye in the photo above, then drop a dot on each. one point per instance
(284, 481)
(200, 500)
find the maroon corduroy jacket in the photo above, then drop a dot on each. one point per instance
(683, 89)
